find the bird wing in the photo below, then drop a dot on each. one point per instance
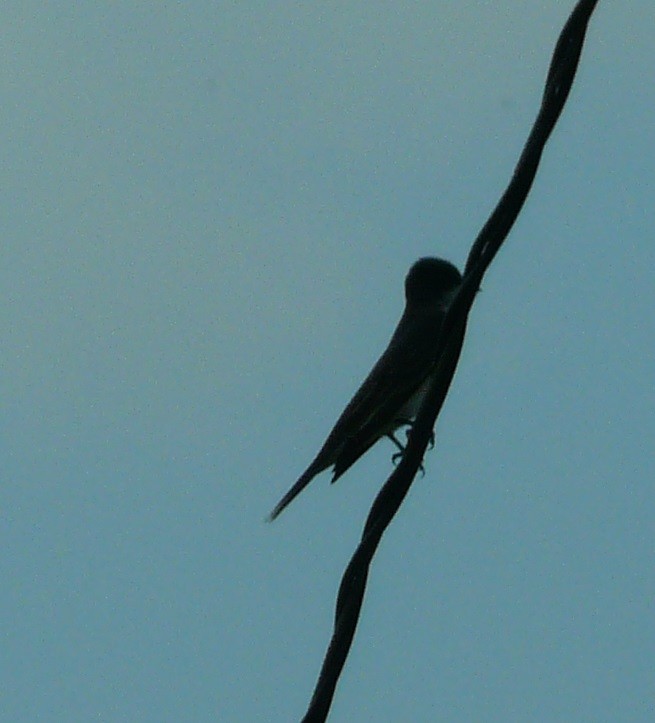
(372, 412)
(396, 377)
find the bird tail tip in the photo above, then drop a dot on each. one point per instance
(297, 488)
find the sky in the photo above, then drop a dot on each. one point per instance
(208, 211)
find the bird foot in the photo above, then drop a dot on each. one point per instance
(397, 456)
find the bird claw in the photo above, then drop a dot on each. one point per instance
(397, 456)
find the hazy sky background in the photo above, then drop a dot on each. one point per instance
(208, 210)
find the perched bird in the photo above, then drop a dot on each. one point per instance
(392, 393)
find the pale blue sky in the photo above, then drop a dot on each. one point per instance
(208, 211)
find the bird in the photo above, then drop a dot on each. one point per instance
(392, 393)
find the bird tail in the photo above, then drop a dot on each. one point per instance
(305, 478)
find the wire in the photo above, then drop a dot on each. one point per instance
(353, 584)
